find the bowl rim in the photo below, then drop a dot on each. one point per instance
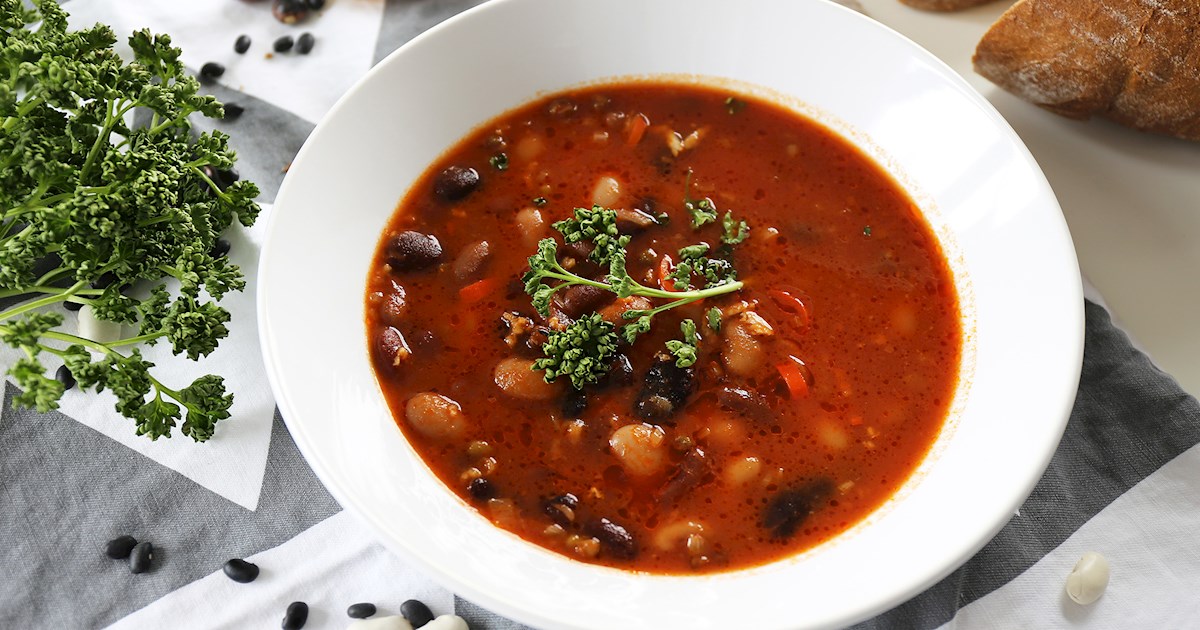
(1072, 346)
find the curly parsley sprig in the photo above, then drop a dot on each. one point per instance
(106, 206)
(547, 276)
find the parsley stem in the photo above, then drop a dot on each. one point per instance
(36, 304)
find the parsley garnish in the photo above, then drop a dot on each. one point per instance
(582, 352)
(540, 201)
(867, 231)
(734, 105)
(714, 319)
(499, 161)
(599, 226)
(692, 261)
(103, 199)
(685, 351)
(734, 231)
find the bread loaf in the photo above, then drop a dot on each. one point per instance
(1136, 62)
(943, 5)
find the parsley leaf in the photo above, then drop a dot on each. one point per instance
(583, 352)
(685, 351)
(734, 231)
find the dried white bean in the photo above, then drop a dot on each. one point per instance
(392, 622)
(446, 622)
(1088, 579)
(97, 329)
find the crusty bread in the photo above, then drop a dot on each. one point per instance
(1136, 62)
(943, 5)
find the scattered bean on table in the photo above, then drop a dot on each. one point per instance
(64, 376)
(295, 617)
(233, 111)
(241, 44)
(211, 70)
(1088, 580)
(305, 43)
(240, 570)
(283, 44)
(140, 557)
(119, 547)
(416, 612)
(361, 610)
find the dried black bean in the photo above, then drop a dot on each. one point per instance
(119, 547)
(72, 306)
(140, 557)
(211, 70)
(233, 111)
(456, 182)
(241, 571)
(315, 5)
(289, 11)
(305, 43)
(219, 248)
(410, 251)
(104, 281)
(295, 617)
(283, 44)
(789, 508)
(361, 610)
(241, 44)
(64, 376)
(614, 539)
(416, 612)
(481, 489)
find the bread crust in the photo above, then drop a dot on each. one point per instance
(944, 5)
(1136, 62)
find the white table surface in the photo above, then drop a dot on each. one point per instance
(1132, 200)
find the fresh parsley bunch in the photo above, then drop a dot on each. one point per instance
(90, 207)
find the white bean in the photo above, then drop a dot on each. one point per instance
(97, 329)
(667, 536)
(517, 378)
(528, 148)
(742, 470)
(641, 448)
(532, 225)
(391, 622)
(607, 192)
(435, 416)
(1088, 579)
(743, 353)
(446, 622)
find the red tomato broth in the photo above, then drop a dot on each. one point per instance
(852, 282)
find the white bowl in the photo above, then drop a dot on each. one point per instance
(987, 200)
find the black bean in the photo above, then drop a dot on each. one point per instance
(65, 377)
(241, 44)
(744, 402)
(481, 489)
(119, 547)
(315, 5)
(789, 508)
(456, 182)
(580, 299)
(241, 571)
(575, 402)
(416, 612)
(219, 248)
(410, 251)
(305, 44)
(72, 306)
(561, 509)
(283, 44)
(104, 281)
(621, 371)
(289, 11)
(691, 471)
(140, 557)
(295, 617)
(361, 610)
(211, 70)
(664, 390)
(614, 539)
(217, 177)
(233, 111)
